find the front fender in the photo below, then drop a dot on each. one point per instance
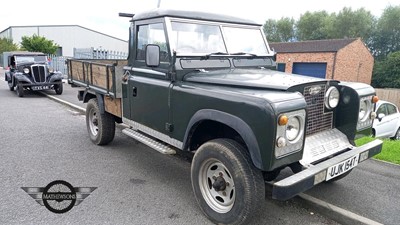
(241, 127)
(55, 77)
(21, 78)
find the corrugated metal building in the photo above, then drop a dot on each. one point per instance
(68, 37)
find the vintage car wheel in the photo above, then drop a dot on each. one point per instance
(20, 91)
(58, 88)
(10, 85)
(226, 184)
(101, 127)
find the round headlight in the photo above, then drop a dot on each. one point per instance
(293, 128)
(26, 70)
(364, 110)
(332, 98)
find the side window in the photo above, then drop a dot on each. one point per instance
(151, 34)
(391, 109)
(382, 109)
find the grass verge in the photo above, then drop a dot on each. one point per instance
(390, 150)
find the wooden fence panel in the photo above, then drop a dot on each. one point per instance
(390, 95)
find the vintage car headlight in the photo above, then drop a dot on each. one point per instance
(293, 128)
(26, 70)
(51, 70)
(332, 97)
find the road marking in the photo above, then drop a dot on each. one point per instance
(65, 102)
(336, 213)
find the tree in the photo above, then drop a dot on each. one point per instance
(281, 30)
(39, 44)
(386, 73)
(7, 45)
(386, 38)
(315, 26)
(353, 24)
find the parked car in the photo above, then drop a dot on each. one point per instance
(387, 122)
(30, 71)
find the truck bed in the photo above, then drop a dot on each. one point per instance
(102, 76)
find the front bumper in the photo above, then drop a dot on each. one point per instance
(308, 178)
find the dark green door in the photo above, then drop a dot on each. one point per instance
(149, 100)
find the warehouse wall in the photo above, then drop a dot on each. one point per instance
(69, 37)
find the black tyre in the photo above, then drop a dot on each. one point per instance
(339, 177)
(10, 85)
(58, 88)
(20, 90)
(397, 135)
(101, 127)
(227, 186)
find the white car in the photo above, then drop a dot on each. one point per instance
(387, 122)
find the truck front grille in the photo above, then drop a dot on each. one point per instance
(39, 74)
(318, 119)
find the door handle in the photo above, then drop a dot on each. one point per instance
(134, 91)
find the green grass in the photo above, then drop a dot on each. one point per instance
(390, 150)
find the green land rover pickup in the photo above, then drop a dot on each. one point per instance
(205, 83)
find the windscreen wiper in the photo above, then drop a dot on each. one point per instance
(214, 53)
(244, 53)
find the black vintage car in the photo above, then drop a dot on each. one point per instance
(30, 71)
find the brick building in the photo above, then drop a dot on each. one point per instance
(339, 59)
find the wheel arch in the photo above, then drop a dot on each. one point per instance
(232, 124)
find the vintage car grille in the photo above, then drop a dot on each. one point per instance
(39, 73)
(318, 119)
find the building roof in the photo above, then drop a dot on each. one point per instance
(332, 45)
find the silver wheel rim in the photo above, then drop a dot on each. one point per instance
(93, 122)
(221, 201)
(397, 137)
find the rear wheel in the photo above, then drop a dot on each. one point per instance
(101, 127)
(226, 184)
(58, 88)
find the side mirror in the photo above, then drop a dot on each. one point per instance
(152, 55)
(380, 116)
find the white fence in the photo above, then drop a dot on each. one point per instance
(93, 53)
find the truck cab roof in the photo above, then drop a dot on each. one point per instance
(157, 13)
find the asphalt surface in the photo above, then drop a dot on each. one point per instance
(43, 141)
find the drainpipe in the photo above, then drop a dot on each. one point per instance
(334, 65)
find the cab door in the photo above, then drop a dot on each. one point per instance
(149, 87)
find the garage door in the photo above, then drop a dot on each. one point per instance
(310, 69)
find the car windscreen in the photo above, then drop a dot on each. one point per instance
(30, 59)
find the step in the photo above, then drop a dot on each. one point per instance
(151, 142)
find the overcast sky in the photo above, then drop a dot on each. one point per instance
(103, 17)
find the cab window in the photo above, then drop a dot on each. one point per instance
(151, 34)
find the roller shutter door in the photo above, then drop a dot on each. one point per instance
(310, 69)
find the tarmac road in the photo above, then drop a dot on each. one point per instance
(43, 141)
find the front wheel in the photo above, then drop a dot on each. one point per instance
(20, 90)
(10, 85)
(397, 135)
(58, 88)
(226, 184)
(101, 127)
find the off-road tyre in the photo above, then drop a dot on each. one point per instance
(245, 195)
(101, 127)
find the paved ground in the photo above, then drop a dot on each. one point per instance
(43, 141)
